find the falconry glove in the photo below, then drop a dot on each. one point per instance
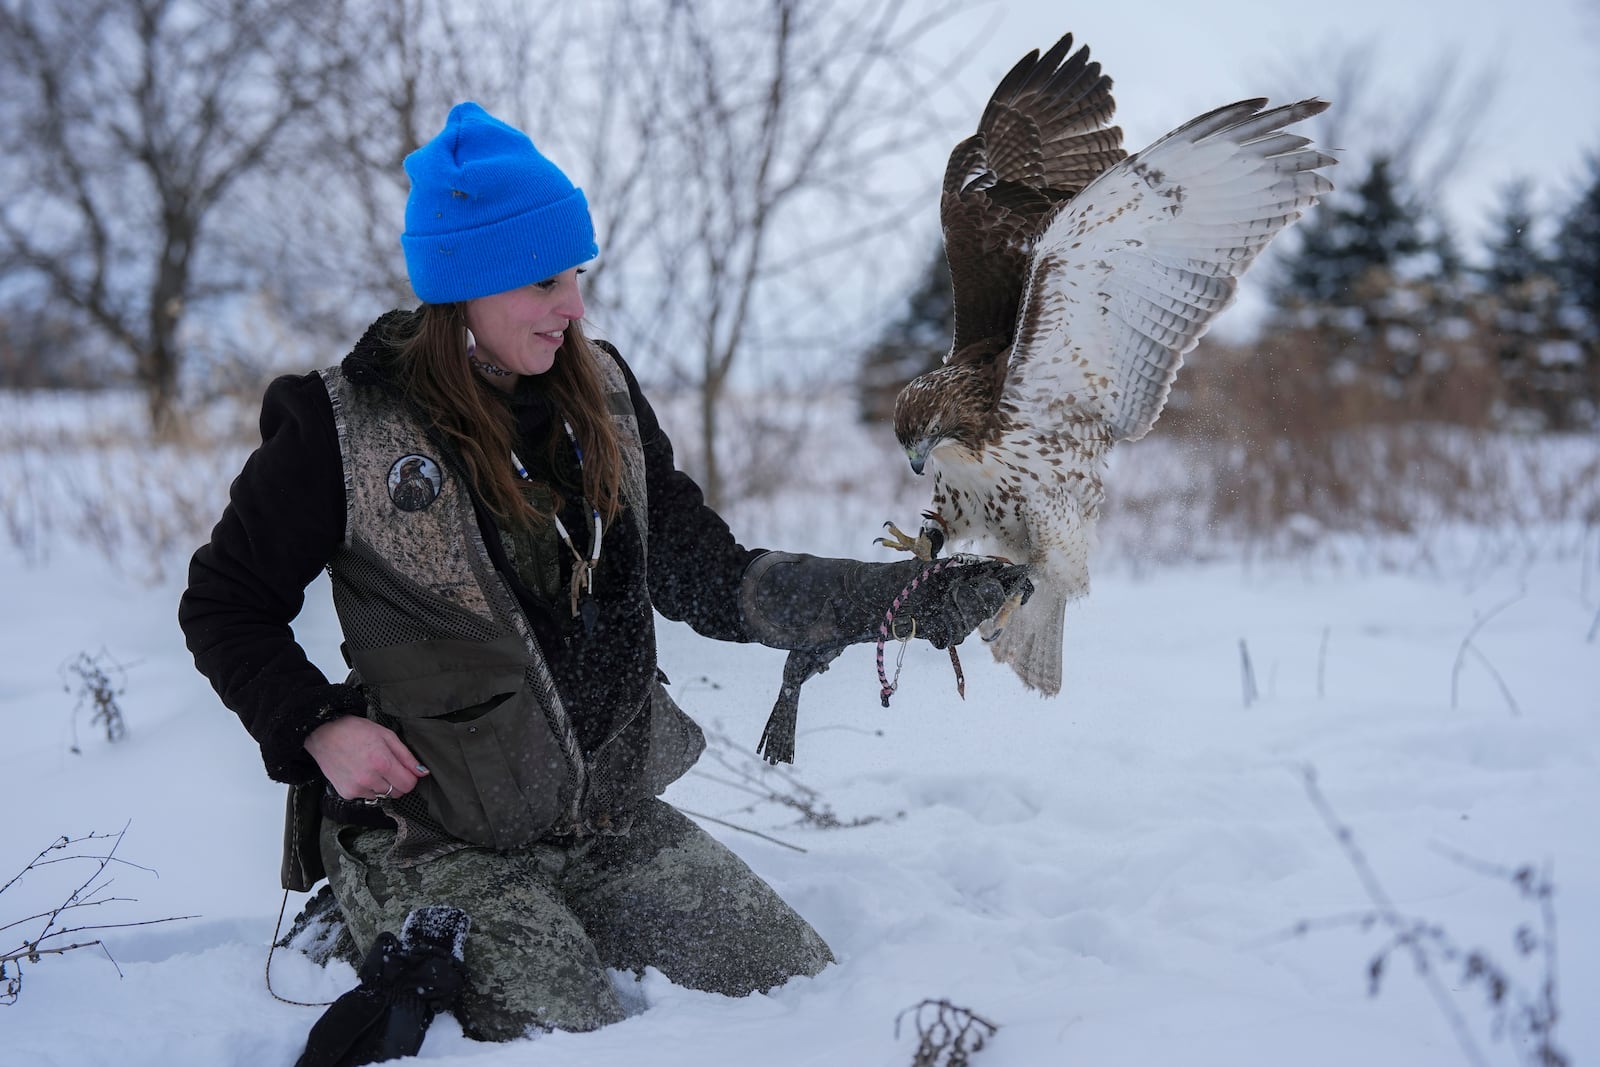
(815, 607)
(815, 604)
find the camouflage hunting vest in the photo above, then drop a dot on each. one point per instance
(447, 656)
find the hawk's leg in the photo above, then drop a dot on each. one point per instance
(992, 629)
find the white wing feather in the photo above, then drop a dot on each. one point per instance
(1133, 270)
(1123, 280)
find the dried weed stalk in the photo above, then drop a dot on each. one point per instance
(947, 1036)
(101, 680)
(769, 784)
(1273, 460)
(1467, 646)
(1527, 1016)
(96, 482)
(52, 930)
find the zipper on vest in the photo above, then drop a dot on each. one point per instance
(580, 791)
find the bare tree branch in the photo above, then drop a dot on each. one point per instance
(762, 144)
(90, 892)
(140, 118)
(1429, 129)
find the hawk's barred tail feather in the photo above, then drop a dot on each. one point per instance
(1032, 641)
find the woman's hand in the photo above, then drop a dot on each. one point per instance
(363, 760)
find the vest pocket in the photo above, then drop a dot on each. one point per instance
(494, 777)
(463, 708)
(676, 741)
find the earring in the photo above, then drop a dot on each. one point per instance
(472, 343)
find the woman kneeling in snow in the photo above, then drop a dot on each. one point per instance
(500, 514)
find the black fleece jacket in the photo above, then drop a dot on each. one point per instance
(286, 517)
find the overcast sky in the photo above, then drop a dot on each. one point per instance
(1171, 61)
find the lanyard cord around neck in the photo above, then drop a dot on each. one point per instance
(582, 569)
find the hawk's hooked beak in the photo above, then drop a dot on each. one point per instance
(918, 454)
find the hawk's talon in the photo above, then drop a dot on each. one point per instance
(919, 546)
(997, 625)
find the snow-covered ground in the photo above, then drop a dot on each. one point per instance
(1112, 877)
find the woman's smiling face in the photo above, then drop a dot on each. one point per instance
(520, 330)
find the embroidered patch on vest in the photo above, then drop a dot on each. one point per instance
(414, 482)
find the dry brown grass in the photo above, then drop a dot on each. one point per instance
(1258, 450)
(1256, 457)
(81, 469)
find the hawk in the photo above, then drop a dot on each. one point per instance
(1081, 276)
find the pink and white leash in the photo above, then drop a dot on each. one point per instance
(886, 631)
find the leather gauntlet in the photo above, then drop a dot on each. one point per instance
(812, 602)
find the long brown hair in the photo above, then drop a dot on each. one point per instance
(475, 418)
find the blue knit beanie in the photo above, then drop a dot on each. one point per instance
(488, 213)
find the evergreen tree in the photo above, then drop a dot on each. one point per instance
(1373, 276)
(1577, 270)
(1577, 253)
(1518, 314)
(1384, 228)
(1375, 227)
(1514, 258)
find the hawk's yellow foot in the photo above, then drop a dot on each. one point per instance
(992, 629)
(921, 546)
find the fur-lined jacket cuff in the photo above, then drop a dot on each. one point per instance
(283, 749)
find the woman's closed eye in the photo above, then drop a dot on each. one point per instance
(550, 283)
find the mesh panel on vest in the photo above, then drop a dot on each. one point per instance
(379, 608)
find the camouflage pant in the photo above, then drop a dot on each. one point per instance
(547, 920)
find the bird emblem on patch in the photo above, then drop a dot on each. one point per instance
(414, 482)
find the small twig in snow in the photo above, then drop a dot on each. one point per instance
(97, 690)
(1505, 690)
(741, 829)
(1529, 1018)
(757, 781)
(89, 893)
(1322, 662)
(1466, 644)
(1407, 934)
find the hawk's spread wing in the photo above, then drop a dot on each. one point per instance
(1042, 138)
(1129, 275)
(1082, 276)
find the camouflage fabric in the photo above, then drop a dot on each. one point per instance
(549, 918)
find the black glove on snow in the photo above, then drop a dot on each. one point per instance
(405, 981)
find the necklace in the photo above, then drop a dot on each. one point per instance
(482, 364)
(488, 368)
(583, 605)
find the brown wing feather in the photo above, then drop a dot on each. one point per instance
(988, 242)
(1047, 124)
(1043, 136)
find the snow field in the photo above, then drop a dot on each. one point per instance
(1112, 877)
